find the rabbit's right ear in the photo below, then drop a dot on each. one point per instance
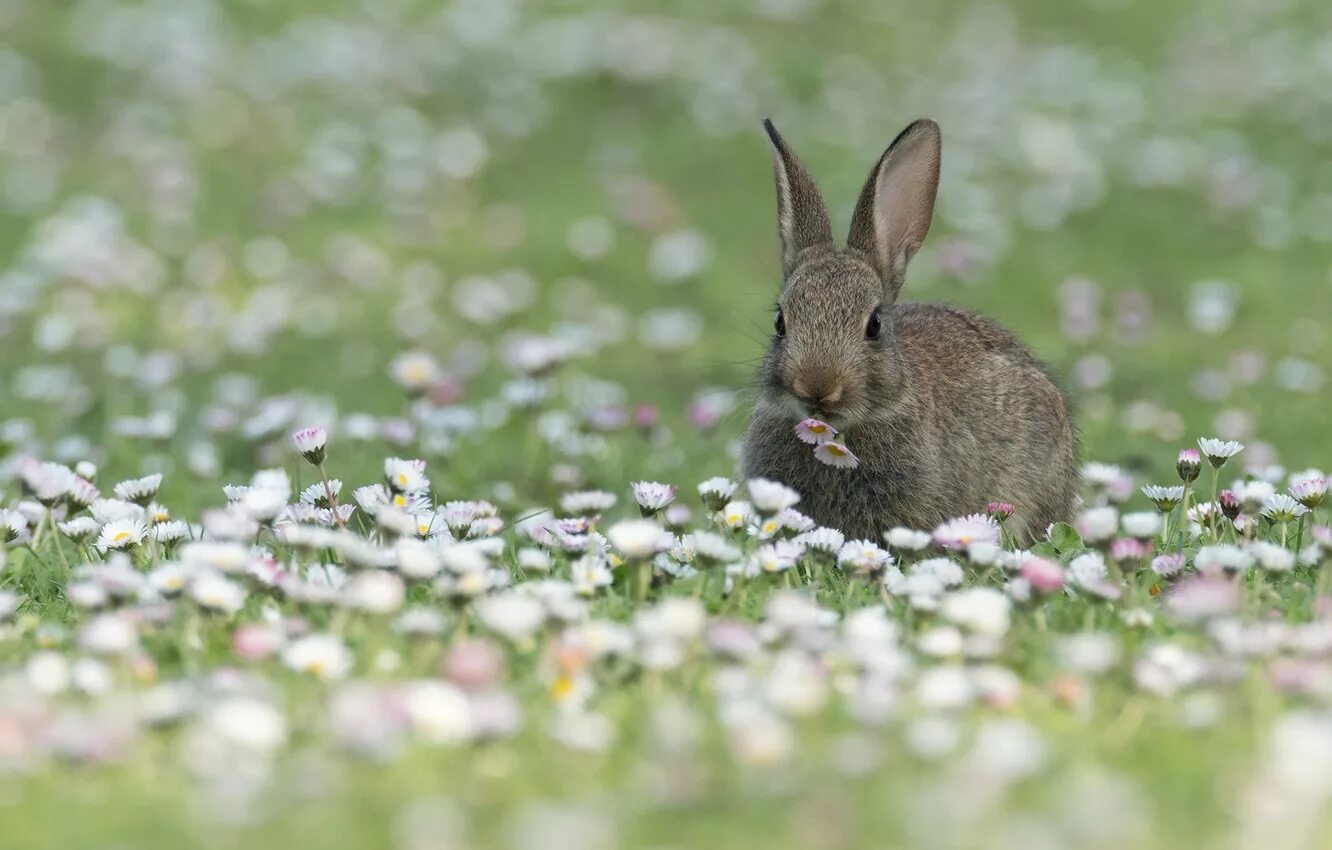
(897, 203)
(802, 216)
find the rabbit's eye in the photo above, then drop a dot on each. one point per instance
(780, 324)
(873, 327)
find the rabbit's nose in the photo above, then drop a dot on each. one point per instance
(823, 392)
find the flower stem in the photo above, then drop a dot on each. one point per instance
(332, 499)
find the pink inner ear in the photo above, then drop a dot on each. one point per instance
(904, 203)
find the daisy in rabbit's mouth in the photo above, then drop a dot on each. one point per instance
(823, 437)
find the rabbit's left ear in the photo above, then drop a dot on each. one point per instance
(897, 204)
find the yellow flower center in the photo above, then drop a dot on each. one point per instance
(562, 687)
(317, 667)
(835, 449)
(818, 429)
(120, 537)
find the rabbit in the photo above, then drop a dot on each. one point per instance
(945, 410)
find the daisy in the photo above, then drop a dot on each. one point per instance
(1219, 451)
(370, 498)
(1272, 557)
(1097, 525)
(814, 432)
(121, 534)
(1309, 490)
(716, 492)
(588, 574)
(1283, 508)
(769, 497)
(415, 371)
(311, 442)
(1188, 465)
(822, 540)
(1166, 498)
(1142, 525)
(652, 496)
(80, 529)
(323, 656)
(170, 532)
(317, 494)
(1168, 565)
(778, 557)
(710, 546)
(1041, 574)
(863, 556)
(1230, 504)
(961, 532)
(737, 514)
(907, 539)
(638, 539)
(140, 491)
(584, 502)
(46, 482)
(836, 454)
(214, 592)
(82, 492)
(406, 476)
(13, 524)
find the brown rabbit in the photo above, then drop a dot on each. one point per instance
(945, 409)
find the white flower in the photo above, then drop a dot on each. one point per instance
(374, 592)
(1087, 570)
(121, 534)
(48, 482)
(414, 370)
(983, 610)
(109, 634)
(907, 539)
(1141, 524)
(822, 539)
(588, 574)
(439, 712)
(321, 655)
(1222, 557)
(170, 532)
(584, 502)
(961, 532)
(946, 570)
(769, 497)
(13, 524)
(248, 723)
(311, 443)
(737, 514)
(638, 539)
(534, 560)
(1219, 451)
(710, 546)
(515, 615)
(110, 510)
(141, 491)
(863, 556)
(653, 495)
(417, 559)
(1282, 508)
(1272, 557)
(716, 492)
(215, 592)
(1097, 524)
(406, 476)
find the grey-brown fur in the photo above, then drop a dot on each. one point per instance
(946, 410)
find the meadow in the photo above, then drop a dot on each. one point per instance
(371, 382)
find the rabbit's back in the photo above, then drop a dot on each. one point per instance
(972, 418)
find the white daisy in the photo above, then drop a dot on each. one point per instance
(1219, 451)
(769, 497)
(121, 534)
(140, 491)
(311, 442)
(716, 492)
(653, 496)
(323, 656)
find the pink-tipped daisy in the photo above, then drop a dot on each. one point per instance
(961, 532)
(814, 432)
(836, 454)
(310, 442)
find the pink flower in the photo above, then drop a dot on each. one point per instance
(1000, 510)
(961, 532)
(646, 416)
(1128, 548)
(1167, 565)
(836, 454)
(256, 641)
(1043, 575)
(1202, 597)
(814, 432)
